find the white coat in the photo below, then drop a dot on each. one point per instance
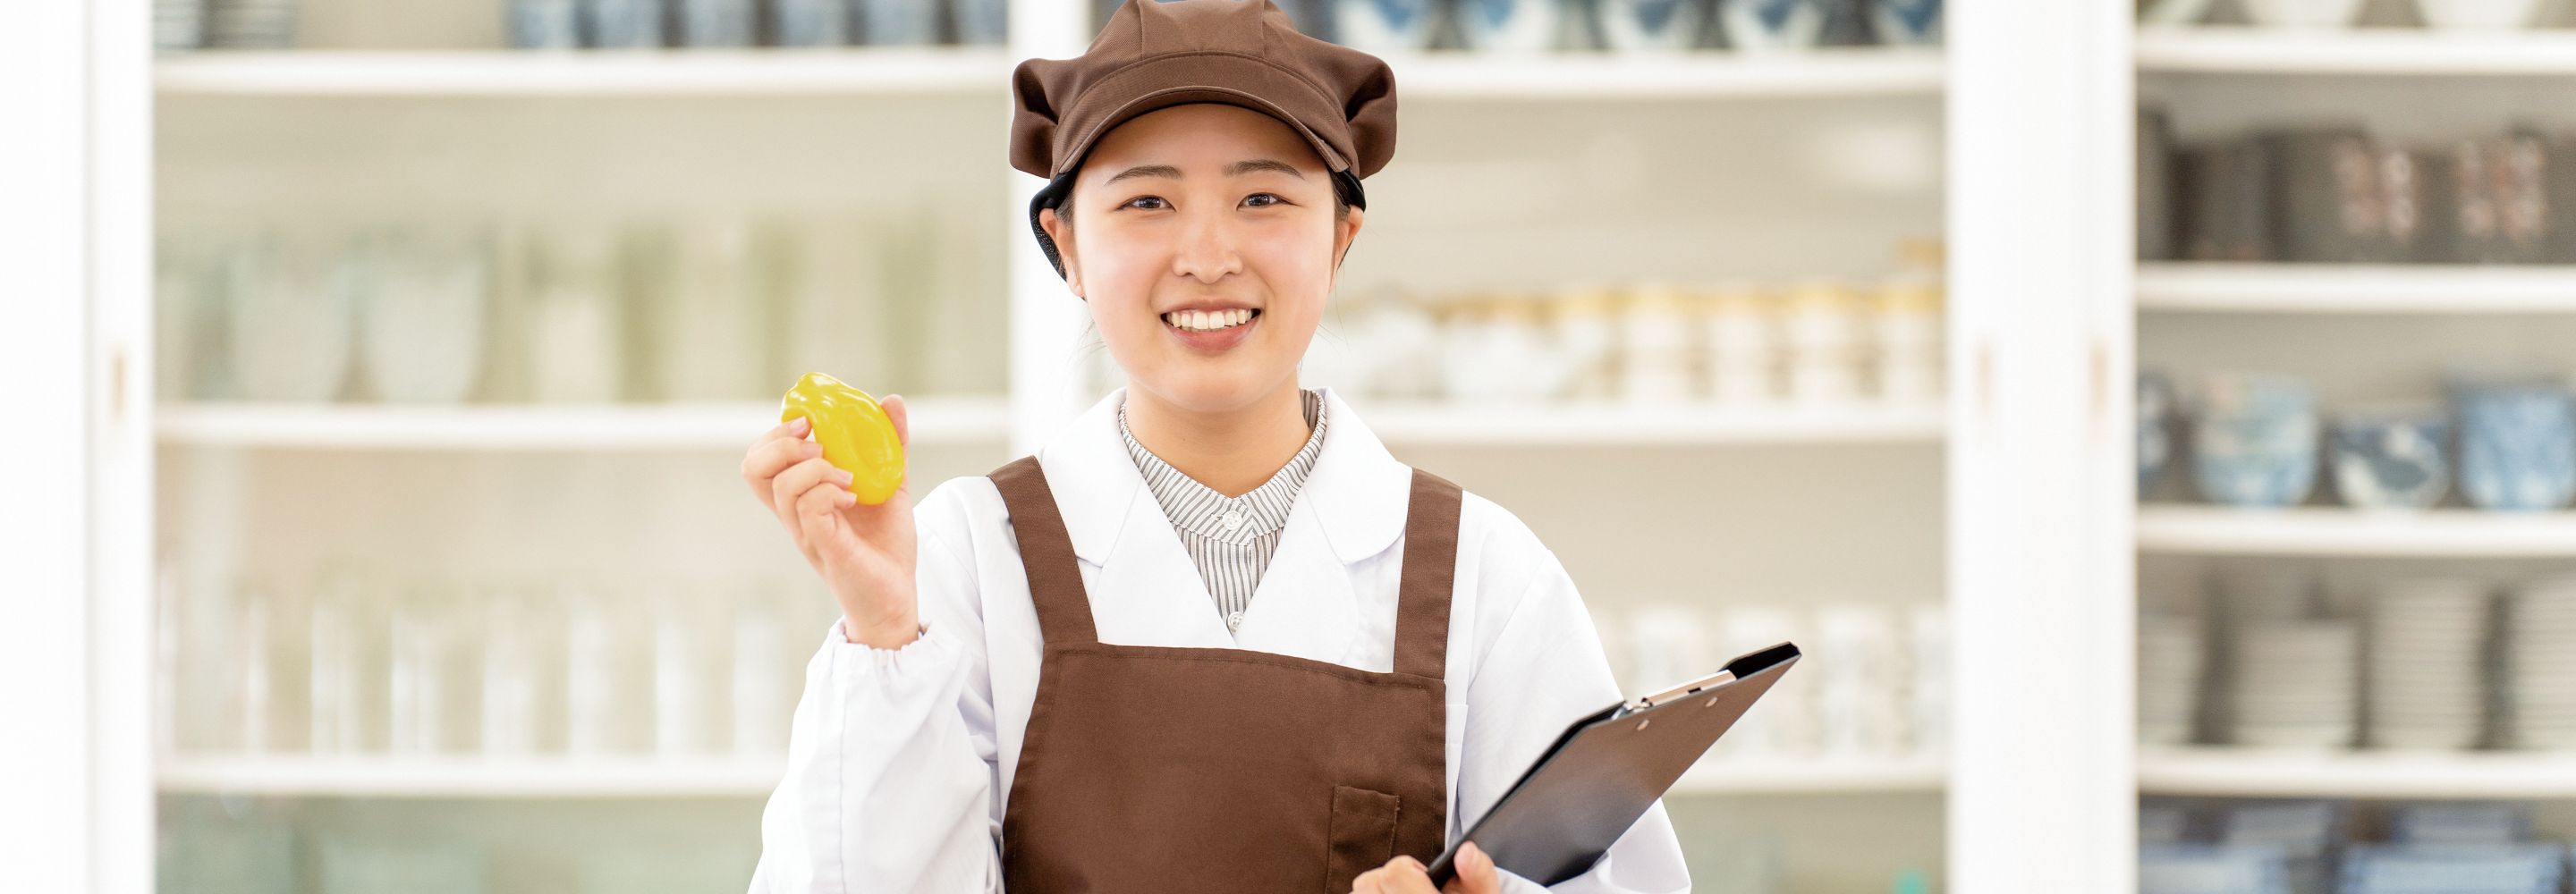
(899, 760)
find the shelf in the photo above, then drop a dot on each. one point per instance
(467, 777)
(1823, 72)
(2357, 774)
(2356, 288)
(621, 427)
(1724, 775)
(2357, 51)
(1446, 424)
(2336, 531)
(953, 70)
(593, 777)
(896, 71)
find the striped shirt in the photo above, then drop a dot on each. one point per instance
(1230, 539)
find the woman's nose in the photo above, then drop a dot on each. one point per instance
(1206, 251)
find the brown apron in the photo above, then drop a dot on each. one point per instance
(1156, 768)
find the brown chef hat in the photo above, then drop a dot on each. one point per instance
(1155, 54)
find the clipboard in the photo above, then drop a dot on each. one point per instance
(1608, 768)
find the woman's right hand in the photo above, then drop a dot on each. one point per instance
(865, 554)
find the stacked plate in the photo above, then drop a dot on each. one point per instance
(2540, 665)
(2169, 666)
(178, 24)
(2414, 869)
(2295, 684)
(2306, 834)
(2464, 823)
(2210, 869)
(2425, 675)
(251, 24)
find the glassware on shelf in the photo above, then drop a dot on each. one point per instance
(1510, 26)
(707, 312)
(1651, 26)
(2394, 457)
(1657, 344)
(607, 673)
(520, 635)
(685, 669)
(573, 339)
(544, 24)
(425, 323)
(429, 669)
(810, 23)
(1822, 329)
(623, 24)
(291, 315)
(1905, 326)
(346, 639)
(1743, 353)
(900, 22)
(1859, 689)
(2255, 443)
(251, 24)
(1772, 24)
(1384, 27)
(986, 22)
(2517, 443)
(1587, 334)
(188, 322)
(761, 684)
(1908, 22)
(717, 23)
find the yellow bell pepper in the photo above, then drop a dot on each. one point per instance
(855, 432)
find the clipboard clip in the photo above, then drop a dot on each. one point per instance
(1682, 691)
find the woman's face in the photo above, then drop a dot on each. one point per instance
(1203, 238)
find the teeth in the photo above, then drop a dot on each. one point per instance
(1206, 320)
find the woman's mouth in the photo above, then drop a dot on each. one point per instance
(1211, 330)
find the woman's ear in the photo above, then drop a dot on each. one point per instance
(1344, 231)
(1063, 236)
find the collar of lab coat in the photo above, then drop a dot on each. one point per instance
(1350, 509)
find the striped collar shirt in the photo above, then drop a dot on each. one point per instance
(1230, 539)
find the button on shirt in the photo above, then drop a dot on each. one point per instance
(1230, 539)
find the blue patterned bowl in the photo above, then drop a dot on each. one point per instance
(2517, 445)
(2393, 459)
(2255, 445)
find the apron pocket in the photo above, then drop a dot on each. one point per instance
(1362, 835)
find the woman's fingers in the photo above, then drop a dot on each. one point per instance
(784, 446)
(895, 410)
(1476, 873)
(788, 490)
(818, 510)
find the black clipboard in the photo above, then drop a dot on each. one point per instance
(1608, 768)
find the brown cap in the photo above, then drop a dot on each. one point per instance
(1155, 54)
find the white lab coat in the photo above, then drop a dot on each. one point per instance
(899, 760)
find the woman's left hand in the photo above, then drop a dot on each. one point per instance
(1405, 875)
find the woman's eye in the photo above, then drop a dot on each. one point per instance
(1132, 202)
(1263, 195)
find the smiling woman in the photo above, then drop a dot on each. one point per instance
(1028, 689)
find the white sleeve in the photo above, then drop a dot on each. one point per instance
(1545, 670)
(889, 784)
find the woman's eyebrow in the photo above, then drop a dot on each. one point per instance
(1236, 169)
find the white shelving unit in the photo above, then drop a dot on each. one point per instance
(1560, 424)
(2355, 288)
(1858, 72)
(938, 420)
(640, 777)
(2367, 51)
(2337, 531)
(963, 71)
(2228, 772)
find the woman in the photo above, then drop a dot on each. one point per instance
(1030, 689)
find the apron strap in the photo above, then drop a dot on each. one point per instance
(1430, 567)
(1046, 553)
